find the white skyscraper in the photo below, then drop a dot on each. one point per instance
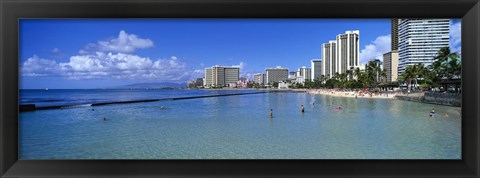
(329, 56)
(316, 69)
(348, 50)
(341, 54)
(305, 74)
(420, 39)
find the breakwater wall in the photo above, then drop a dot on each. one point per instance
(447, 99)
(32, 107)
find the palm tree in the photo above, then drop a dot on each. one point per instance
(408, 75)
(350, 74)
(322, 78)
(371, 73)
(446, 64)
(357, 72)
(335, 76)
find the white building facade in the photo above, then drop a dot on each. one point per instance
(221, 76)
(259, 78)
(304, 74)
(341, 54)
(420, 39)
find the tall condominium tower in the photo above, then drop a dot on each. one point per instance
(329, 56)
(316, 69)
(342, 54)
(394, 34)
(220, 76)
(305, 74)
(420, 40)
(277, 74)
(348, 51)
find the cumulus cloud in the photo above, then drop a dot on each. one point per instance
(36, 66)
(242, 66)
(376, 49)
(116, 66)
(124, 43)
(111, 59)
(456, 36)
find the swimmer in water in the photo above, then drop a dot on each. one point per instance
(432, 113)
(104, 118)
(303, 109)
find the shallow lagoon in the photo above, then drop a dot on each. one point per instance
(239, 127)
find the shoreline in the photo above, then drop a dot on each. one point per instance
(350, 94)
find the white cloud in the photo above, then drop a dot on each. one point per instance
(124, 43)
(112, 59)
(56, 51)
(456, 36)
(242, 66)
(198, 74)
(376, 49)
(116, 66)
(36, 66)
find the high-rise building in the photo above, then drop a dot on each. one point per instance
(390, 65)
(259, 78)
(329, 57)
(316, 69)
(394, 34)
(348, 51)
(341, 54)
(220, 76)
(420, 40)
(277, 74)
(305, 74)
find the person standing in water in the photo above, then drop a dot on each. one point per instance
(303, 109)
(432, 113)
(271, 113)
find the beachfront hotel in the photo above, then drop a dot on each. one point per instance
(304, 74)
(221, 76)
(329, 58)
(259, 78)
(420, 39)
(316, 69)
(390, 65)
(276, 74)
(341, 54)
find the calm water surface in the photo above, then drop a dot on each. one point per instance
(239, 127)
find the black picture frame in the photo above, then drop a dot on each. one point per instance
(11, 11)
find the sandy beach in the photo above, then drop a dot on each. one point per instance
(350, 94)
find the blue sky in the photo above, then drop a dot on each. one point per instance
(98, 53)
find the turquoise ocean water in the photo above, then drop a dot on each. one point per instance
(239, 127)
